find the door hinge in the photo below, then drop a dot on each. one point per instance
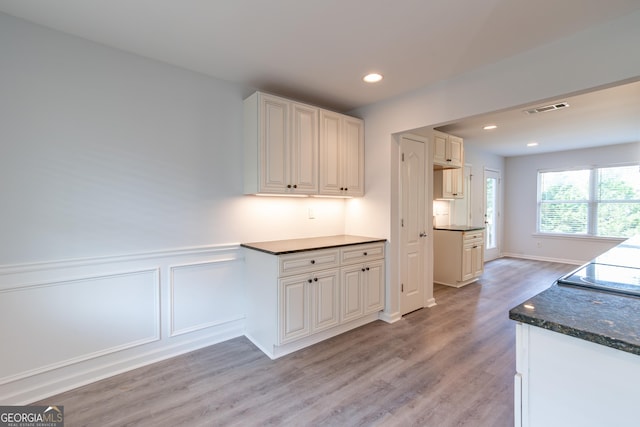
(403, 157)
(402, 287)
(402, 223)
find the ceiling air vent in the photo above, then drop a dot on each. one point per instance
(546, 108)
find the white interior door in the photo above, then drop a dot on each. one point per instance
(492, 191)
(413, 232)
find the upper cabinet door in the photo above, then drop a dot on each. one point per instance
(439, 148)
(330, 152)
(353, 157)
(455, 155)
(304, 149)
(341, 155)
(274, 144)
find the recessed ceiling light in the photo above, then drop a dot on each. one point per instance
(532, 144)
(372, 78)
(490, 127)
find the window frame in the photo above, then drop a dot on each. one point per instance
(592, 201)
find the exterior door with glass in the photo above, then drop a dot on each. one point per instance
(492, 182)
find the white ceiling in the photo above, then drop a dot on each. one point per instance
(318, 51)
(602, 117)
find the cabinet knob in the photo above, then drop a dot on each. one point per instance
(341, 188)
(313, 261)
(367, 268)
(346, 189)
(309, 280)
(365, 254)
(289, 186)
(315, 279)
(363, 269)
(295, 185)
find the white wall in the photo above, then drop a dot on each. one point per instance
(599, 56)
(122, 206)
(521, 203)
(105, 152)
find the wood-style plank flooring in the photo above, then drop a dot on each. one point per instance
(449, 365)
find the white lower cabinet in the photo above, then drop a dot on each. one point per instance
(309, 304)
(298, 299)
(458, 257)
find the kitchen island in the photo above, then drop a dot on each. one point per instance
(578, 346)
(302, 291)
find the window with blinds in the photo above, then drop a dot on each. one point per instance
(599, 201)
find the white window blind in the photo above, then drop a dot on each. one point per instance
(602, 201)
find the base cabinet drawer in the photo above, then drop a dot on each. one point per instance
(308, 261)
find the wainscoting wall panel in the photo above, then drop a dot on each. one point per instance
(201, 296)
(64, 324)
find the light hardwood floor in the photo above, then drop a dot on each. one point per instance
(449, 365)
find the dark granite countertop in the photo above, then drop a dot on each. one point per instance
(458, 227)
(281, 247)
(605, 318)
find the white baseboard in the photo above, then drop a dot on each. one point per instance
(389, 317)
(539, 258)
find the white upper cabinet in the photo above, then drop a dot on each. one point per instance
(281, 146)
(448, 184)
(448, 150)
(297, 149)
(341, 155)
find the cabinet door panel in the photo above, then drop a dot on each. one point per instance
(325, 301)
(467, 263)
(294, 308)
(351, 293)
(352, 167)
(274, 147)
(304, 148)
(374, 287)
(439, 148)
(477, 259)
(330, 136)
(455, 150)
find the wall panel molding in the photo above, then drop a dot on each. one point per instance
(72, 322)
(189, 283)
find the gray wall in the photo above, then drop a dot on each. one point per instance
(521, 203)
